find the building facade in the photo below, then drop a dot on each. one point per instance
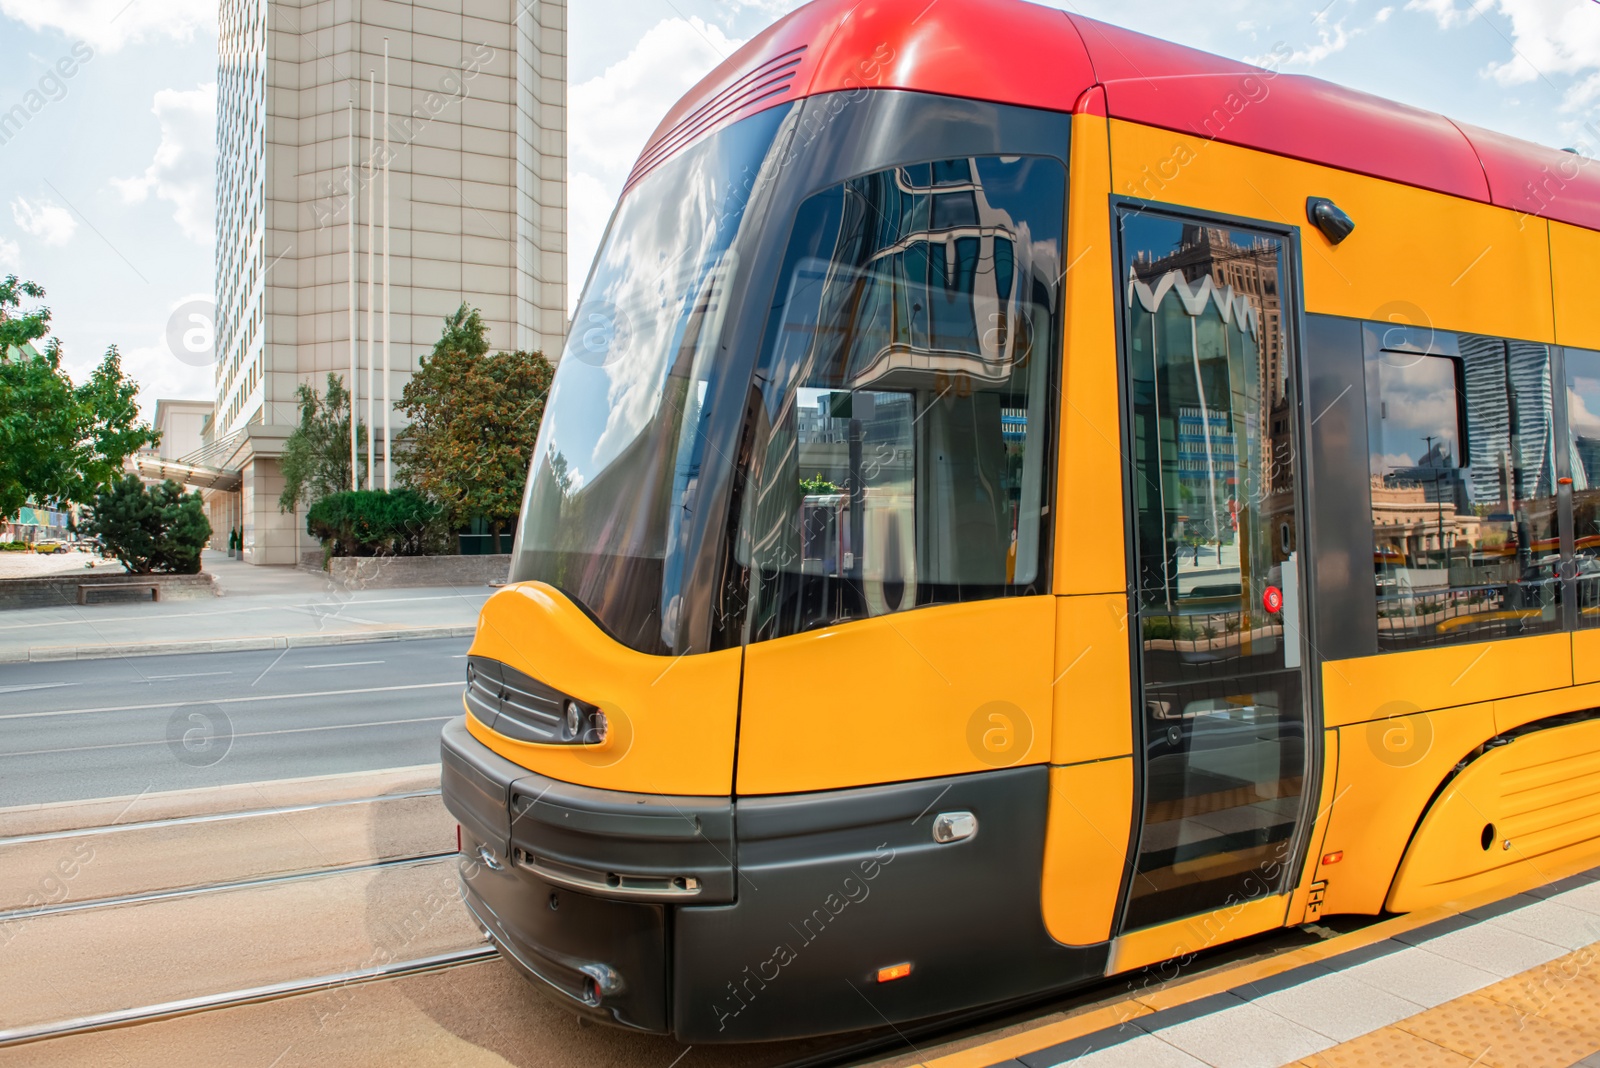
(475, 200)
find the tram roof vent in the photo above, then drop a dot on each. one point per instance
(755, 88)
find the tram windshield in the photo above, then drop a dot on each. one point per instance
(902, 452)
(624, 438)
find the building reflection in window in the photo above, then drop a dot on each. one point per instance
(1466, 543)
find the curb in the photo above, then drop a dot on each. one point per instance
(49, 653)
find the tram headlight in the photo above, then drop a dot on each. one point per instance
(574, 719)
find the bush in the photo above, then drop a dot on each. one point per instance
(375, 523)
(154, 529)
(14, 546)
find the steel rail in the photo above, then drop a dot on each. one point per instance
(270, 992)
(213, 817)
(144, 897)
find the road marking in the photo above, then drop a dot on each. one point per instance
(36, 686)
(190, 675)
(236, 737)
(348, 663)
(228, 700)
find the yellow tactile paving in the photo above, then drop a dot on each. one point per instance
(1498, 1036)
(1565, 992)
(1547, 1017)
(1387, 1048)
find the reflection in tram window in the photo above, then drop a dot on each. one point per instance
(1210, 398)
(1465, 540)
(901, 459)
(1583, 452)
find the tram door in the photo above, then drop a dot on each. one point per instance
(1211, 411)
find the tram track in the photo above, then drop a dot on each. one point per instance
(222, 887)
(209, 817)
(877, 1046)
(248, 996)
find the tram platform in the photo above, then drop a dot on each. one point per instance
(1509, 983)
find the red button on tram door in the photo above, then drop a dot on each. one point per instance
(1272, 600)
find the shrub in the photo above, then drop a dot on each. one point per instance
(374, 523)
(159, 528)
(13, 546)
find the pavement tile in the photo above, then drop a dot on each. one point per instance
(1146, 1051)
(1565, 992)
(1555, 922)
(1339, 1006)
(1498, 1036)
(1244, 1036)
(1388, 1047)
(1421, 976)
(1490, 947)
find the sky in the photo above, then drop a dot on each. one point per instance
(107, 191)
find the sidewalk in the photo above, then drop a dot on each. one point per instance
(260, 608)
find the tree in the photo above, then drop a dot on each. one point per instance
(316, 454)
(156, 529)
(474, 422)
(17, 328)
(58, 442)
(373, 523)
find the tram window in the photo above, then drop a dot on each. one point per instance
(1583, 453)
(1465, 537)
(902, 453)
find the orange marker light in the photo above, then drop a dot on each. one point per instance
(1333, 858)
(894, 971)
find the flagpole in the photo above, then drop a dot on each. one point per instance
(388, 452)
(372, 186)
(350, 233)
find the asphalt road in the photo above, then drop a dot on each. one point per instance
(75, 730)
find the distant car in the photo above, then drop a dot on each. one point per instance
(49, 545)
(84, 545)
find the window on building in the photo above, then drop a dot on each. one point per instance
(1466, 543)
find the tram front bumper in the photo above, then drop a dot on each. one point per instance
(627, 906)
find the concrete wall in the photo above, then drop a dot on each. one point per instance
(53, 591)
(390, 572)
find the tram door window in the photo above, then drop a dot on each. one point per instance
(1583, 451)
(1466, 539)
(902, 446)
(1211, 404)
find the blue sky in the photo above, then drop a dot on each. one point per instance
(106, 192)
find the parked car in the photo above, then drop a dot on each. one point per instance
(49, 545)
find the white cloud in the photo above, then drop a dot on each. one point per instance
(1331, 39)
(183, 171)
(107, 25)
(1445, 11)
(610, 117)
(1383, 15)
(10, 257)
(48, 221)
(1549, 39)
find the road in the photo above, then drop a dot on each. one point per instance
(74, 730)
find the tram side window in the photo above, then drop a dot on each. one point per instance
(1465, 536)
(902, 445)
(1583, 453)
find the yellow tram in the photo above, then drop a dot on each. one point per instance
(1022, 501)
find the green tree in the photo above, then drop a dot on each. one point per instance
(58, 442)
(18, 328)
(374, 523)
(474, 422)
(156, 529)
(316, 454)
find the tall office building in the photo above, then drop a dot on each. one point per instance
(476, 209)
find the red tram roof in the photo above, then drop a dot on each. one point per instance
(1012, 52)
